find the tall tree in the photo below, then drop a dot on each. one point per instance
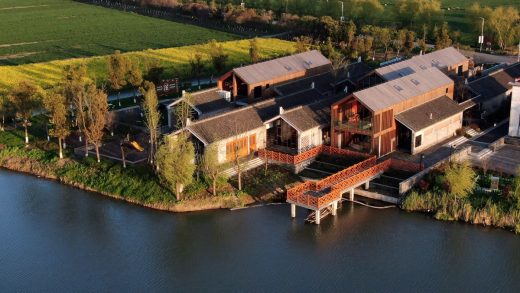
(218, 56)
(302, 44)
(175, 163)
(410, 41)
(152, 116)
(117, 70)
(55, 104)
(5, 109)
(443, 39)
(183, 111)
(96, 116)
(460, 179)
(210, 166)
(26, 99)
(400, 40)
(197, 66)
(135, 76)
(506, 23)
(254, 50)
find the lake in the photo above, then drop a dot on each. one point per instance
(57, 238)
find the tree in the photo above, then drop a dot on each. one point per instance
(400, 40)
(25, 98)
(384, 37)
(5, 109)
(175, 163)
(443, 39)
(55, 104)
(96, 116)
(183, 111)
(350, 33)
(254, 51)
(196, 66)
(460, 179)
(410, 41)
(302, 44)
(135, 76)
(117, 70)
(218, 57)
(505, 23)
(152, 116)
(210, 166)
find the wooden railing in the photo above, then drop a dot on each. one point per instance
(308, 155)
(299, 194)
(345, 173)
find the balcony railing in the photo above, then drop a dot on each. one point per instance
(362, 125)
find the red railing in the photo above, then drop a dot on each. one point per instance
(345, 173)
(308, 155)
(299, 194)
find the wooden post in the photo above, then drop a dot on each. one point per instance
(293, 210)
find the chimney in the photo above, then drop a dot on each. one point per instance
(312, 85)
(281, 110)
(421, 53)
(188, 121)
(431, 115)
(183, 93)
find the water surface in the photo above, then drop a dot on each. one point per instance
(56, 238)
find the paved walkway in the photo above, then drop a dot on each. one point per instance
(489, 58)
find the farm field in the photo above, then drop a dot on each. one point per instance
(44, 30)
(174, 60)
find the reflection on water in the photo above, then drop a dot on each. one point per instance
(55, 238)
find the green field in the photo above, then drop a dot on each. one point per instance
(44, 30)
(174, 60)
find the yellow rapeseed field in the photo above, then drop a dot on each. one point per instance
(174, 60)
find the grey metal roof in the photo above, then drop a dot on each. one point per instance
(276, 68)
(309, 116)
(496, 83)
(429, 113)
(393, 92)
(440, 59)
(207, 101)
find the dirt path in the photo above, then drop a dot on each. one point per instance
(22, 7)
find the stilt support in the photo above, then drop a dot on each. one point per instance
(293, 210)
(367, 185)
(351, 195)
(318, 217)
(334, 208)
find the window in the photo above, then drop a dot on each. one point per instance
(238, 146)
(415, 81)
(418, 141)
(446, 90)
(398, 88)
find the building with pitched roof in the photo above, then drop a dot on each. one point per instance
(255, 81)
(400, 113)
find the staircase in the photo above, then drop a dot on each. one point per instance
(251, 164)
(471, 132)
(456, 142)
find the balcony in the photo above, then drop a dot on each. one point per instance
(363, 126)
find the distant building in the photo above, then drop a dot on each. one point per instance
(493, 91)
(514, 118)
(255, 81)
(411, 113)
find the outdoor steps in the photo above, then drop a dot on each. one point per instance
(472, 132)
(251, 164)
(456, 142)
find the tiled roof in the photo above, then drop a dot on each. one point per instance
(276, 68)
(393, 92)
(306, 117)
(208, 101)
(440, 59)
(495, 84)
(429, 113)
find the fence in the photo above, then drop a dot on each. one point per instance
(308, 155)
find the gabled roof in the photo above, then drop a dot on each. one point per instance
(207, 101)
(393, 92)
(245, 119)
(496, 83)
(276, 68)
(419, 118)
(440, 59)
(310, 116)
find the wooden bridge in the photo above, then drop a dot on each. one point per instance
(323, 196)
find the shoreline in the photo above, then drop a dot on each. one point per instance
(188, 205)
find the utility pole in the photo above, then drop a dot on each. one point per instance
(481, 37)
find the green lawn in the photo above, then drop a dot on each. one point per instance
(44, 30)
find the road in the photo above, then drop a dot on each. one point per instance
(483, 58)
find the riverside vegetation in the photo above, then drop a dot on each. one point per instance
(452, 193)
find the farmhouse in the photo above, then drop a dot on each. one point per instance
(410, 113)
(256, 81)
(493, 91)
(291, 124)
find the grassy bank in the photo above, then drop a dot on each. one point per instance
(135, 184)
(174, 60)
(497, 208)
(44, 30)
